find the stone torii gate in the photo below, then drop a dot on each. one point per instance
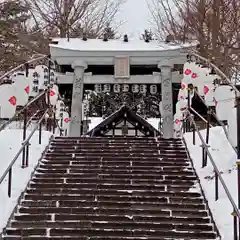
(78, 54)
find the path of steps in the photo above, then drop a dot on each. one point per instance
(112, 188)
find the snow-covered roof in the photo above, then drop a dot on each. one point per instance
(116, 45)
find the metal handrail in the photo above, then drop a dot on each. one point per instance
(22, 110)
(25, 144)
(32, 117)
(205, 146)
(21, 65)
(199, 115)
(218, 121)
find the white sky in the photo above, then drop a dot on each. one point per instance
(136, 17)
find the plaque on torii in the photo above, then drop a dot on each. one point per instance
(121, 67)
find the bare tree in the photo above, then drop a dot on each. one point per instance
(75, 16)
(214, 23)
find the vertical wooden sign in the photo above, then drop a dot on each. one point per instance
(121, 67)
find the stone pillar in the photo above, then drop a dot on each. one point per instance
(167, 99)
(77, 98)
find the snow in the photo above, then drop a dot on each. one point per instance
(10, 142)
(225, 159)
(154, 122)
(94, 122)
(116, 45)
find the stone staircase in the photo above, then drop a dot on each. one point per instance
(112, 188)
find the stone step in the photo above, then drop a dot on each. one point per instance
(128, 172)
(101, 191)
(76, 187)
(99, 210)
(100, 164)
(119, 162)
(102, 154)
(131, 148)
(109, 218)
(106, 192)
(91, 232)
(130, 210)
(118, 140)
(116, 225)
(117, 147)
(94, 238)
(110, 204)
(113, 181)
(122, 152)
(113, 138)
(114, 158)
(162, 147)
(79, 238)
(112, 197)
(146, 176)
(80, 186)
(105, 167)
(141, 145)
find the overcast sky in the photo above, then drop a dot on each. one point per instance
(135, 16)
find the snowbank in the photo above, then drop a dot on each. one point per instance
(10, 143)
(225, 159)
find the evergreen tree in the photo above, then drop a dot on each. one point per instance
(13, 19)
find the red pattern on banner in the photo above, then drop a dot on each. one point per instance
(177, 121)
(205, 89)
(183, 86)
(194, 75)
(13, 100)
(27, 89)
(66, 120)
(52, 93)
(187, 71)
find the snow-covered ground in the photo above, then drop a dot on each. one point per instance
(96, 120)
(225, 159)
(10, 143)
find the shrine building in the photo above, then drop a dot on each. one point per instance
(137, 74)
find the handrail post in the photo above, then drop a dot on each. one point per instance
(27, 154)
(238, 147)
(235, 228)
(188, 121)
(203, 154)
(54, 122)
(194, 135)
(10, 182)
(40, 133)
(238, 153)
(207, 136)
(24, 136)
(216, 186)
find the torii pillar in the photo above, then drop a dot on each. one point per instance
(77, 98)
(167, 98)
